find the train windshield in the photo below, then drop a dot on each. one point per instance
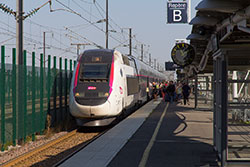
(94, 71)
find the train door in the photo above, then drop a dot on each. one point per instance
(135, 88)
(147, 89)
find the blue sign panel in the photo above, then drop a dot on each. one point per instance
(170, 66)
(177, 12)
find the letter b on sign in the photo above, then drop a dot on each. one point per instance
(177, 15)
(177, 12)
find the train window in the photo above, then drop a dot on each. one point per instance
(132, 63)
(125, 60)
(133, 85)
(94, 71)
(121, 73)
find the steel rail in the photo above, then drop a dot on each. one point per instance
(39, 149)
(80, 148)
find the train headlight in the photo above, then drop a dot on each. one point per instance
(103, 94)
(80, 95)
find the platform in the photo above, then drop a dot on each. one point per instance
(158, 134)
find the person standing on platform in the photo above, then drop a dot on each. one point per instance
(185, 92)
(154, 92)
(178, 91)
(171, 91)
(165, 96)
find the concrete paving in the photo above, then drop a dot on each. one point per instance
(184, 139)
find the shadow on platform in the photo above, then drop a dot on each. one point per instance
(172, 147)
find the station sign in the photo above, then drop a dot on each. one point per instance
(178, 12)
(170, 66)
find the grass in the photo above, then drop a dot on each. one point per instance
(6, 145)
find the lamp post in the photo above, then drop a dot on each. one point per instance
(44, 48)
(141, 52)
(19, 31)
(130, 40)
(107, 25)
(150, 59)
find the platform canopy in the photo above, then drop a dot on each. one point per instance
(220, 24)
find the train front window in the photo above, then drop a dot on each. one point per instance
(94, 71)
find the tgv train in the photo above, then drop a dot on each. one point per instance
(105, 82)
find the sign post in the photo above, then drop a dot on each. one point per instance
(178, 12)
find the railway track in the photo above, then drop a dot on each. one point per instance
(58, 150)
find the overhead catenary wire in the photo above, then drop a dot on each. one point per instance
(98, 8)
(96, 2)
(38, 42)
(33, 34)
(86, 2)
(93, 43)
(73, 11)
(99, 11)
(7, 40)
(91, 23)
(84, 9)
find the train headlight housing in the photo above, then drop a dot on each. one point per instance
(103, 94)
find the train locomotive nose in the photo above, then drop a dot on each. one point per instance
(101, 110)
(78, 110)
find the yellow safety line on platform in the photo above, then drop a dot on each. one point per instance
(151, 143)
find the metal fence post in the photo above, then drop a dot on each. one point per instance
(2, 90)
(55, 91)
(74, 64)
(33, 96)
(8, 83)
(14, 96)
(66, 87)
(70, 75)
(60, 89)
(48, 85)
(41, 93)
(25, 94)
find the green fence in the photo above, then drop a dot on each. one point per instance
(30, 95)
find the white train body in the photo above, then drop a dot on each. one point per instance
(104, 83)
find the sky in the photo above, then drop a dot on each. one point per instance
(74, 21)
